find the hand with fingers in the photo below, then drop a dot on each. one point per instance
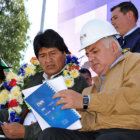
(70, 99)
(13, 130)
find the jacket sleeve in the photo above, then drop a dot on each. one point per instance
(123, 100)
(3, 117)
(32, 131)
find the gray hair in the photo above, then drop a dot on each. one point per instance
(107, 40)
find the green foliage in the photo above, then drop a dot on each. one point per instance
(13, 31)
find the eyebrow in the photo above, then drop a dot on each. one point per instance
(113, 16)
(48, 52)
(41, 54)
(92, 49)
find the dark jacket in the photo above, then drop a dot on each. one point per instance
(131, 42)
(32, 131)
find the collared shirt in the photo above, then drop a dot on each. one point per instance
(46, 76)
(132, 30)
(103, 76)
(122, 40)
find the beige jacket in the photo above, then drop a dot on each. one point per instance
(118, 104)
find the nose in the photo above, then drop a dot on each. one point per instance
(112, 22)
(91, 58)
(48, 58)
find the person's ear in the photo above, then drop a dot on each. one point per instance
(130, 15)
(114, 47)
(65, 55)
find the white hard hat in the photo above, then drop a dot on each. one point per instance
(95, 30)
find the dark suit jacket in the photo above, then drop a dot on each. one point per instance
(32, 132)
(132, 42)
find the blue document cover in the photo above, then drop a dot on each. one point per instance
(41, 101)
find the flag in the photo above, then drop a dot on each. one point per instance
(4, 64)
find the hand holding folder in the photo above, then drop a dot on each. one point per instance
(45, 109)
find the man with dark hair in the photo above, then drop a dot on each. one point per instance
(86, 73)
(49, 38)
(124, 18)
(50, 49)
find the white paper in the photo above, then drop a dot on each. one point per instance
(30, 118)
(57, 83)
(29, 91)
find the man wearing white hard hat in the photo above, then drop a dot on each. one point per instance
(110, 108)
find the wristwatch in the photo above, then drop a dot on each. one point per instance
(85, 101)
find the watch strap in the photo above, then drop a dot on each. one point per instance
(85, 101)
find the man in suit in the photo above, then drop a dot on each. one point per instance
(50, 49)
(110, 108)
(124, 18)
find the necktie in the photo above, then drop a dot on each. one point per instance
(122, 41)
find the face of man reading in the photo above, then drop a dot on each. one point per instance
(52, 60)
(100, 57)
